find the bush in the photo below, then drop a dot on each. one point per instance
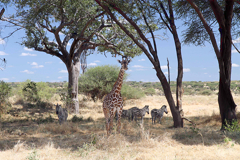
(206, 92)
(34, 92)
(98, 81)
(44, 91)
(129, 92)
(30, 92)
(5, 91)
(149, 91)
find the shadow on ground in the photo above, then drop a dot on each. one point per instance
(73, 135)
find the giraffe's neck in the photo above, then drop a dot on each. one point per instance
(118, 85)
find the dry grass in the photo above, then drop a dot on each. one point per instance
(22, 136)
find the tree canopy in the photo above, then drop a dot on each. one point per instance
(195, 33)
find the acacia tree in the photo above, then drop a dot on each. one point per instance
(51, 25)
(149, 9)
(211, 14)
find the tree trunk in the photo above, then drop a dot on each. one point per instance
(73, 74)
(179, 88)
(227, 105)
(177, 120)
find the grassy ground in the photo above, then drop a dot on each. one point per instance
(31, 133)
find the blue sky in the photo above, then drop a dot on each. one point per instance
(200, 63)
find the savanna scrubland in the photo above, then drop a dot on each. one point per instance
(33, 132)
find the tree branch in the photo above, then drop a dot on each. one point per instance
(150, 30)
(79, 36)
(1, 13)
(156, 64)
(235, 47)
(208, 29)
(217, 12)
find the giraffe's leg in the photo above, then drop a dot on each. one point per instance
(112, 114)
(119, 110)
(107, 118)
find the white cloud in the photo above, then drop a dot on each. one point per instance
(28, 72)
(137, 66)
(236, 40)
(48, 62)
(69, 44)
(28, 54)
(164, 67)
(2, 41)
(28, 49)
(35, 65)
(63, 71)
(141, 60)
(92, 64)
(4, 79)
(3, 53)
(97, 61)
(235, 65)
(60, 77)
(186, 70)
(165, 72)
(140, 69)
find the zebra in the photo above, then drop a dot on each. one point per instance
(62, 113)
(158, 113)
(136, 112)
(124, 114)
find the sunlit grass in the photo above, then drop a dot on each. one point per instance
(31, 133)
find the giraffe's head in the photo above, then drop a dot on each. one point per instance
(124, 62)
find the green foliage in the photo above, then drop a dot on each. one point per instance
(41, 20)
(44, 91)
(232, 127)
(33, 155)
(34, 92)
(129, 92)
(149, 91)
(30, 92)
(64, 96)
(206, 92)
(98, 81)
(5, 91)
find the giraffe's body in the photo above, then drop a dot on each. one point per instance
(113, 101)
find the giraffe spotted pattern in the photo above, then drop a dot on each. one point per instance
(113, 102)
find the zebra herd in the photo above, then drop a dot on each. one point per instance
(131, 113)
(135, 112)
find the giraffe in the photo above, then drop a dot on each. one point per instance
(113, 101)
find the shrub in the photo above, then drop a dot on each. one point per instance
(30, 92)
(5, 91)
(98, 81)
(34, 92)
(149, 91)
(206, 92)
(129, 92)
(44, 91)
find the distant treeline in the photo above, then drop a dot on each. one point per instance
(152, 88)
